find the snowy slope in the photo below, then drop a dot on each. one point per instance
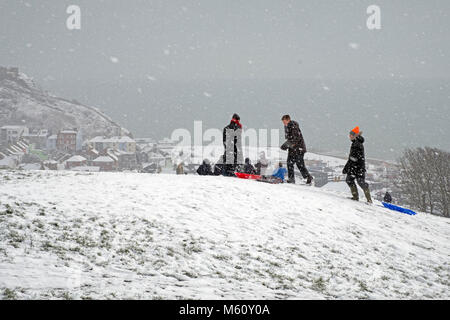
(125, 235)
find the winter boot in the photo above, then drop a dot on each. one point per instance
(309, 180)
(354, 191)
(368, 197)
(290, 181)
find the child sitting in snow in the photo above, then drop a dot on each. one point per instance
(277, 175)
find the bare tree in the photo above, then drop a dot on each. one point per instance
(425, 180)
(441, 171)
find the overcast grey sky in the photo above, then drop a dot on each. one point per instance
(169, 39)
(158, 65)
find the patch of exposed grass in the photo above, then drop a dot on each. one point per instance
(8, 210)
(190, 274)
(85, 241)
(363, 287)
(319, 284)
(15, 238)
(9, 294)
(221, 257)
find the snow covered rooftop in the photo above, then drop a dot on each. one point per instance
(68, 131)
(9, 127)
(50, 162)
(7, 162)
(104, 159)
(40, 133)
(155, 155)
(22, 144)
(86, 169)
(31, 166)
(76, 159)
(112, 139)
(15, 150)
(166, 141)
(113, 156)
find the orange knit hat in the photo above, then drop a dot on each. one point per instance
(355, 130)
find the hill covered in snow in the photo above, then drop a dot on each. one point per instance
(125, 235)
(22, 102)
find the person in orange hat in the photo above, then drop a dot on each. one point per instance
(355, 168)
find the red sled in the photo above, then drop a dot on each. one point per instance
(247, 176)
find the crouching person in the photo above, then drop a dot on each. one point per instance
(248, 167)
(355, 168)
(205, 168)
(180, 168)
(387, 197)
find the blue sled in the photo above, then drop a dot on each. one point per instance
(399, 209)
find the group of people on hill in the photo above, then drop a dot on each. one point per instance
(232, 162)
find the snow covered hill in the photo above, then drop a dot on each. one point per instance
(22, 102)
(125, 235)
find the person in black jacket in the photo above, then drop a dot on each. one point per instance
(232, 143)
(248, 167)
(295, 144)
(355, 168)
(205, 168)
(387, 197)
(218, 167)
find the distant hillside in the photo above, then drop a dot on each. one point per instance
(22, 102)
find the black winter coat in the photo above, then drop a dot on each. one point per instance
(356, 164)
(204, 169)
(218, 169)
(387, 197)
(294, 137)
(249, 168)
(232, 153)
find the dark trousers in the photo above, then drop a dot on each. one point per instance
(360, 179)
(229, 169)
(296, 157)
(232, 158)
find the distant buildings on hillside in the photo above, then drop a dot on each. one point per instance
(65, 150)
(11, 134)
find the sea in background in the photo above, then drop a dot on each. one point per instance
(394, 113)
